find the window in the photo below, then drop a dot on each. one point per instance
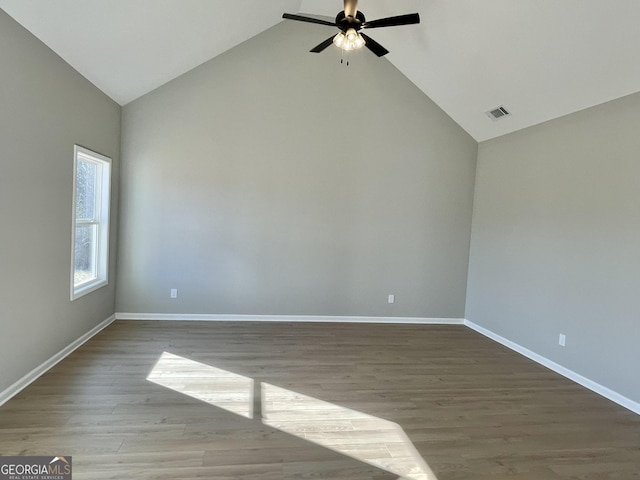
(90, 235)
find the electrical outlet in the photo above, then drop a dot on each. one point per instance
(174, 293)
(562, 340)
(391, 299)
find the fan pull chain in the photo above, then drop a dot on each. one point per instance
(342, 59)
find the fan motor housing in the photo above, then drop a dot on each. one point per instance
(344, 23)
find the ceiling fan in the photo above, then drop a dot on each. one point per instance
(350, 22)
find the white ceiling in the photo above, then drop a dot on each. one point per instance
(541, 59)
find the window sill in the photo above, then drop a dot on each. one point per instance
(88, 287)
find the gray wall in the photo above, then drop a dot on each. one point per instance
(45, 108)
(275, 181)
(556, 241)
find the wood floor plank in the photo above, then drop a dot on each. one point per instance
(472, 408)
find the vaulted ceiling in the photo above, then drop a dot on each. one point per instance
(540, 59)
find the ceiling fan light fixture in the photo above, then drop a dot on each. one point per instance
(350, 40)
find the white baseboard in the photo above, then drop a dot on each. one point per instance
(556, 367)
(286, 318)
(34, 374)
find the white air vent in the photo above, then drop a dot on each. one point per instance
(497, 113)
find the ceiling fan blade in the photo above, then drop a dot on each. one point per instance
(350, 8)
(323, 45)
(408, 19)
(301, 18)
(374, 46)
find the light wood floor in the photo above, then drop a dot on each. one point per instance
(471, 408)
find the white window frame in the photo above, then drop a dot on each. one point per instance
(101, 220)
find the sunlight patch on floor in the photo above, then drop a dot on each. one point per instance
(223, 389)
(372, 440)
